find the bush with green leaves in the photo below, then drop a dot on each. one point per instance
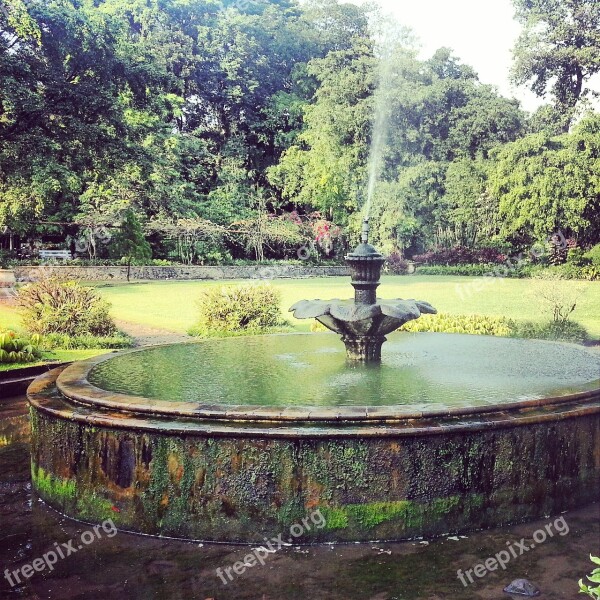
(588, 272)
(19, 349)
(117, 341)
(516, 271)
(234, 310)
(557, 331)
(564, 331)
(58, 305)
(594, 577)
(593, 255)
(467, 324)
(577, 258)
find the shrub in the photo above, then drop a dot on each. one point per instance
(593, 255)
(576, 257)
(396, 264)
(15, 349)
(86, 342)
(238, 309)
(566, 271)
(464, 270)
(6, 258)
(557, 295)
(460, 255)
(467, 324)
(57, 305)
(559, 331)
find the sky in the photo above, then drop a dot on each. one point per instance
(482, 34)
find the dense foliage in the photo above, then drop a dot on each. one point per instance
(566, 331)
(235, 310)
(58, 306)
(230, 130)
(19, 349)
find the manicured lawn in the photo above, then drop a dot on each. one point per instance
(9, 319)
(171, 305)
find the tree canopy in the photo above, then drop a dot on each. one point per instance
(557, 51)
(236, 115)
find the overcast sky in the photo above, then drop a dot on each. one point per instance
(481, 33)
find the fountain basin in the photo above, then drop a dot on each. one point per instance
(241, 450)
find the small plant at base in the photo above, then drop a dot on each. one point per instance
(592, 592)
(54, 341)
(15, 349)
(558, 295)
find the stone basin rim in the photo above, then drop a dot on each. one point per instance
(73, 383)
(42, 397)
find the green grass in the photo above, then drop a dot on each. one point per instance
(9, 318)
(171, 305)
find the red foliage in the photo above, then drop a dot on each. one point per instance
(460, 255)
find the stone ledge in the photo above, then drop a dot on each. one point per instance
(182, 272)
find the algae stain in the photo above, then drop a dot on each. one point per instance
(54, 489)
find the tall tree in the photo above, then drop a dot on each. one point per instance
(130, 241)
(558, 50)
(544, 184)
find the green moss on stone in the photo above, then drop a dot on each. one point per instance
(335, 518)
(54, 489)
(93, 507)
(409, 514)
(375, 513)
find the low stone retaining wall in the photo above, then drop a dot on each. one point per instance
(16, 381)
(26, 274)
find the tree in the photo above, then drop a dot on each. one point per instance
(325, 169)
(544, 184)
(472, 209)
(130, 241)
(558, 51)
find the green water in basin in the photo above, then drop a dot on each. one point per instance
(423, 370)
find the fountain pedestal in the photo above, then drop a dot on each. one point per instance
(365, 348)
(364, 322)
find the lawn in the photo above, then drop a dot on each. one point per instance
(171, 305)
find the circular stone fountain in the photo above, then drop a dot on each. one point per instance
(239, 439)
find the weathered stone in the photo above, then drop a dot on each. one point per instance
(364, 322)
(180, 272)
(522, 587)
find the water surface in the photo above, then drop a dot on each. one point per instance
(423, 370)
